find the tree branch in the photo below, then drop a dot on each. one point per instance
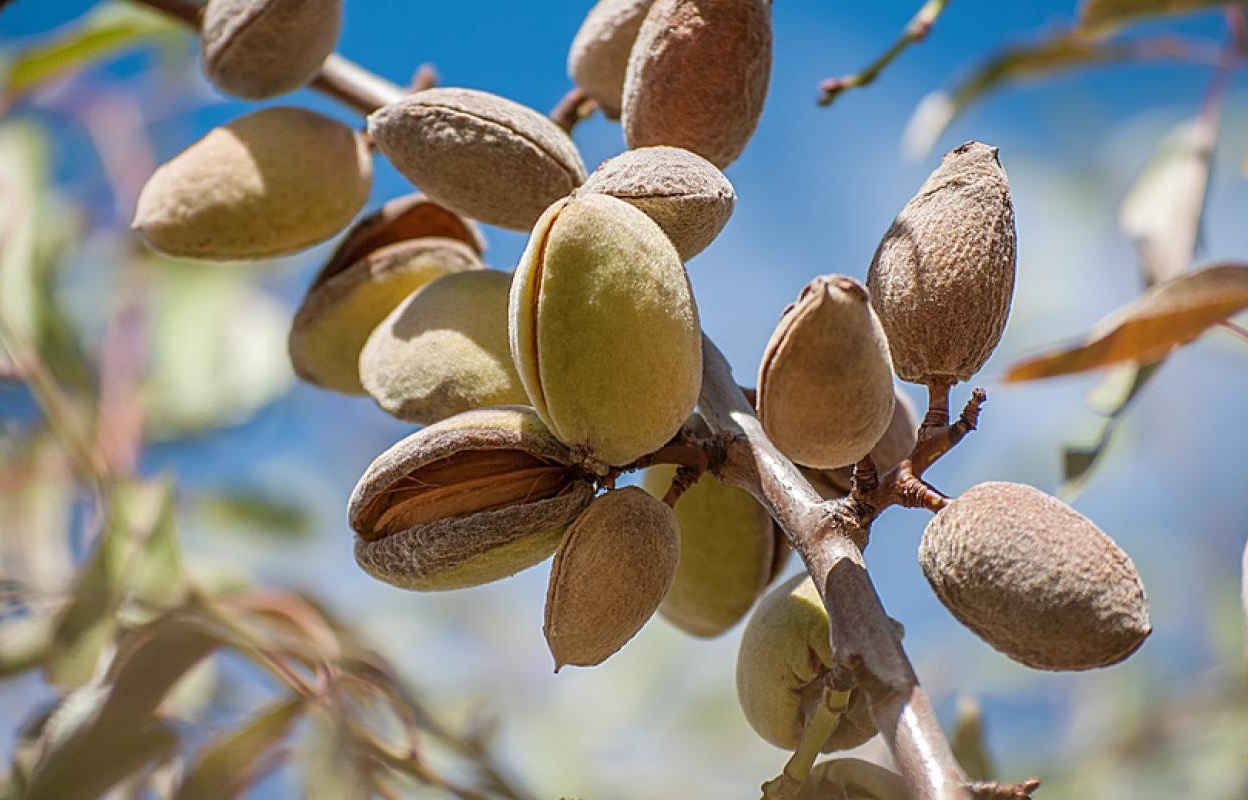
(829, 537)
(339, 78)
(916, 31)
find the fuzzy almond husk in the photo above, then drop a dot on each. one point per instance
(689, 198)
(485, 156)
(604, 329)
(412, 216)
(444, 350)
(825, 384)
(256, 49)
(782, 665)
(337, 315)
(471, 499)
(598, 56)
(728, 550)
(1034, 578)
(697, 76)
(267, 184)
(609, 576)
(943, 276)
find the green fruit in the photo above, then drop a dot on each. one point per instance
(257, 49)
(487, 157)
(609, 576)
(783, 666)
(943, 276)
(604, 330)
(267, 184)
(339, 313)
(444, 350)
(728, 549)
(685, 194)
(825, 384)
(1034, 578)
(471, 499)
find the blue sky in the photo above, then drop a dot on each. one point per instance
(817, 188)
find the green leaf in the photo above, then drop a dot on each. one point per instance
(107, 30)
(23, 643)
(137, 513)
(218, 348)
(23, 171)
(159, 579)
(253, 513)
(37, 514)
(226, 766)
(967, 741)
(1167, 316)
(1110, 397)
(1162, 211)
(1060, 53)
(1100, 16)
(335, 765)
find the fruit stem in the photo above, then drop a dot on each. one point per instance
(823, 721)
(572, 108)
(829, 536)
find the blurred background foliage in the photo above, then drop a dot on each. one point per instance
(179, 613)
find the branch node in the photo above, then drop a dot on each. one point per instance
(991, 790)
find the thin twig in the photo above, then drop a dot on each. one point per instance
(339, 78)
(916, 31)
(1237, 330)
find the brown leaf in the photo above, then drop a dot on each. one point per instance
(1099, 16)
(1163, 318)
(1062, 52)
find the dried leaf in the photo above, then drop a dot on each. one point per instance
(1167, 316)
(105, 31)
(1162, 211)
(106, 729)
(229, 764)
(1099, 16)
(1062, 52)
